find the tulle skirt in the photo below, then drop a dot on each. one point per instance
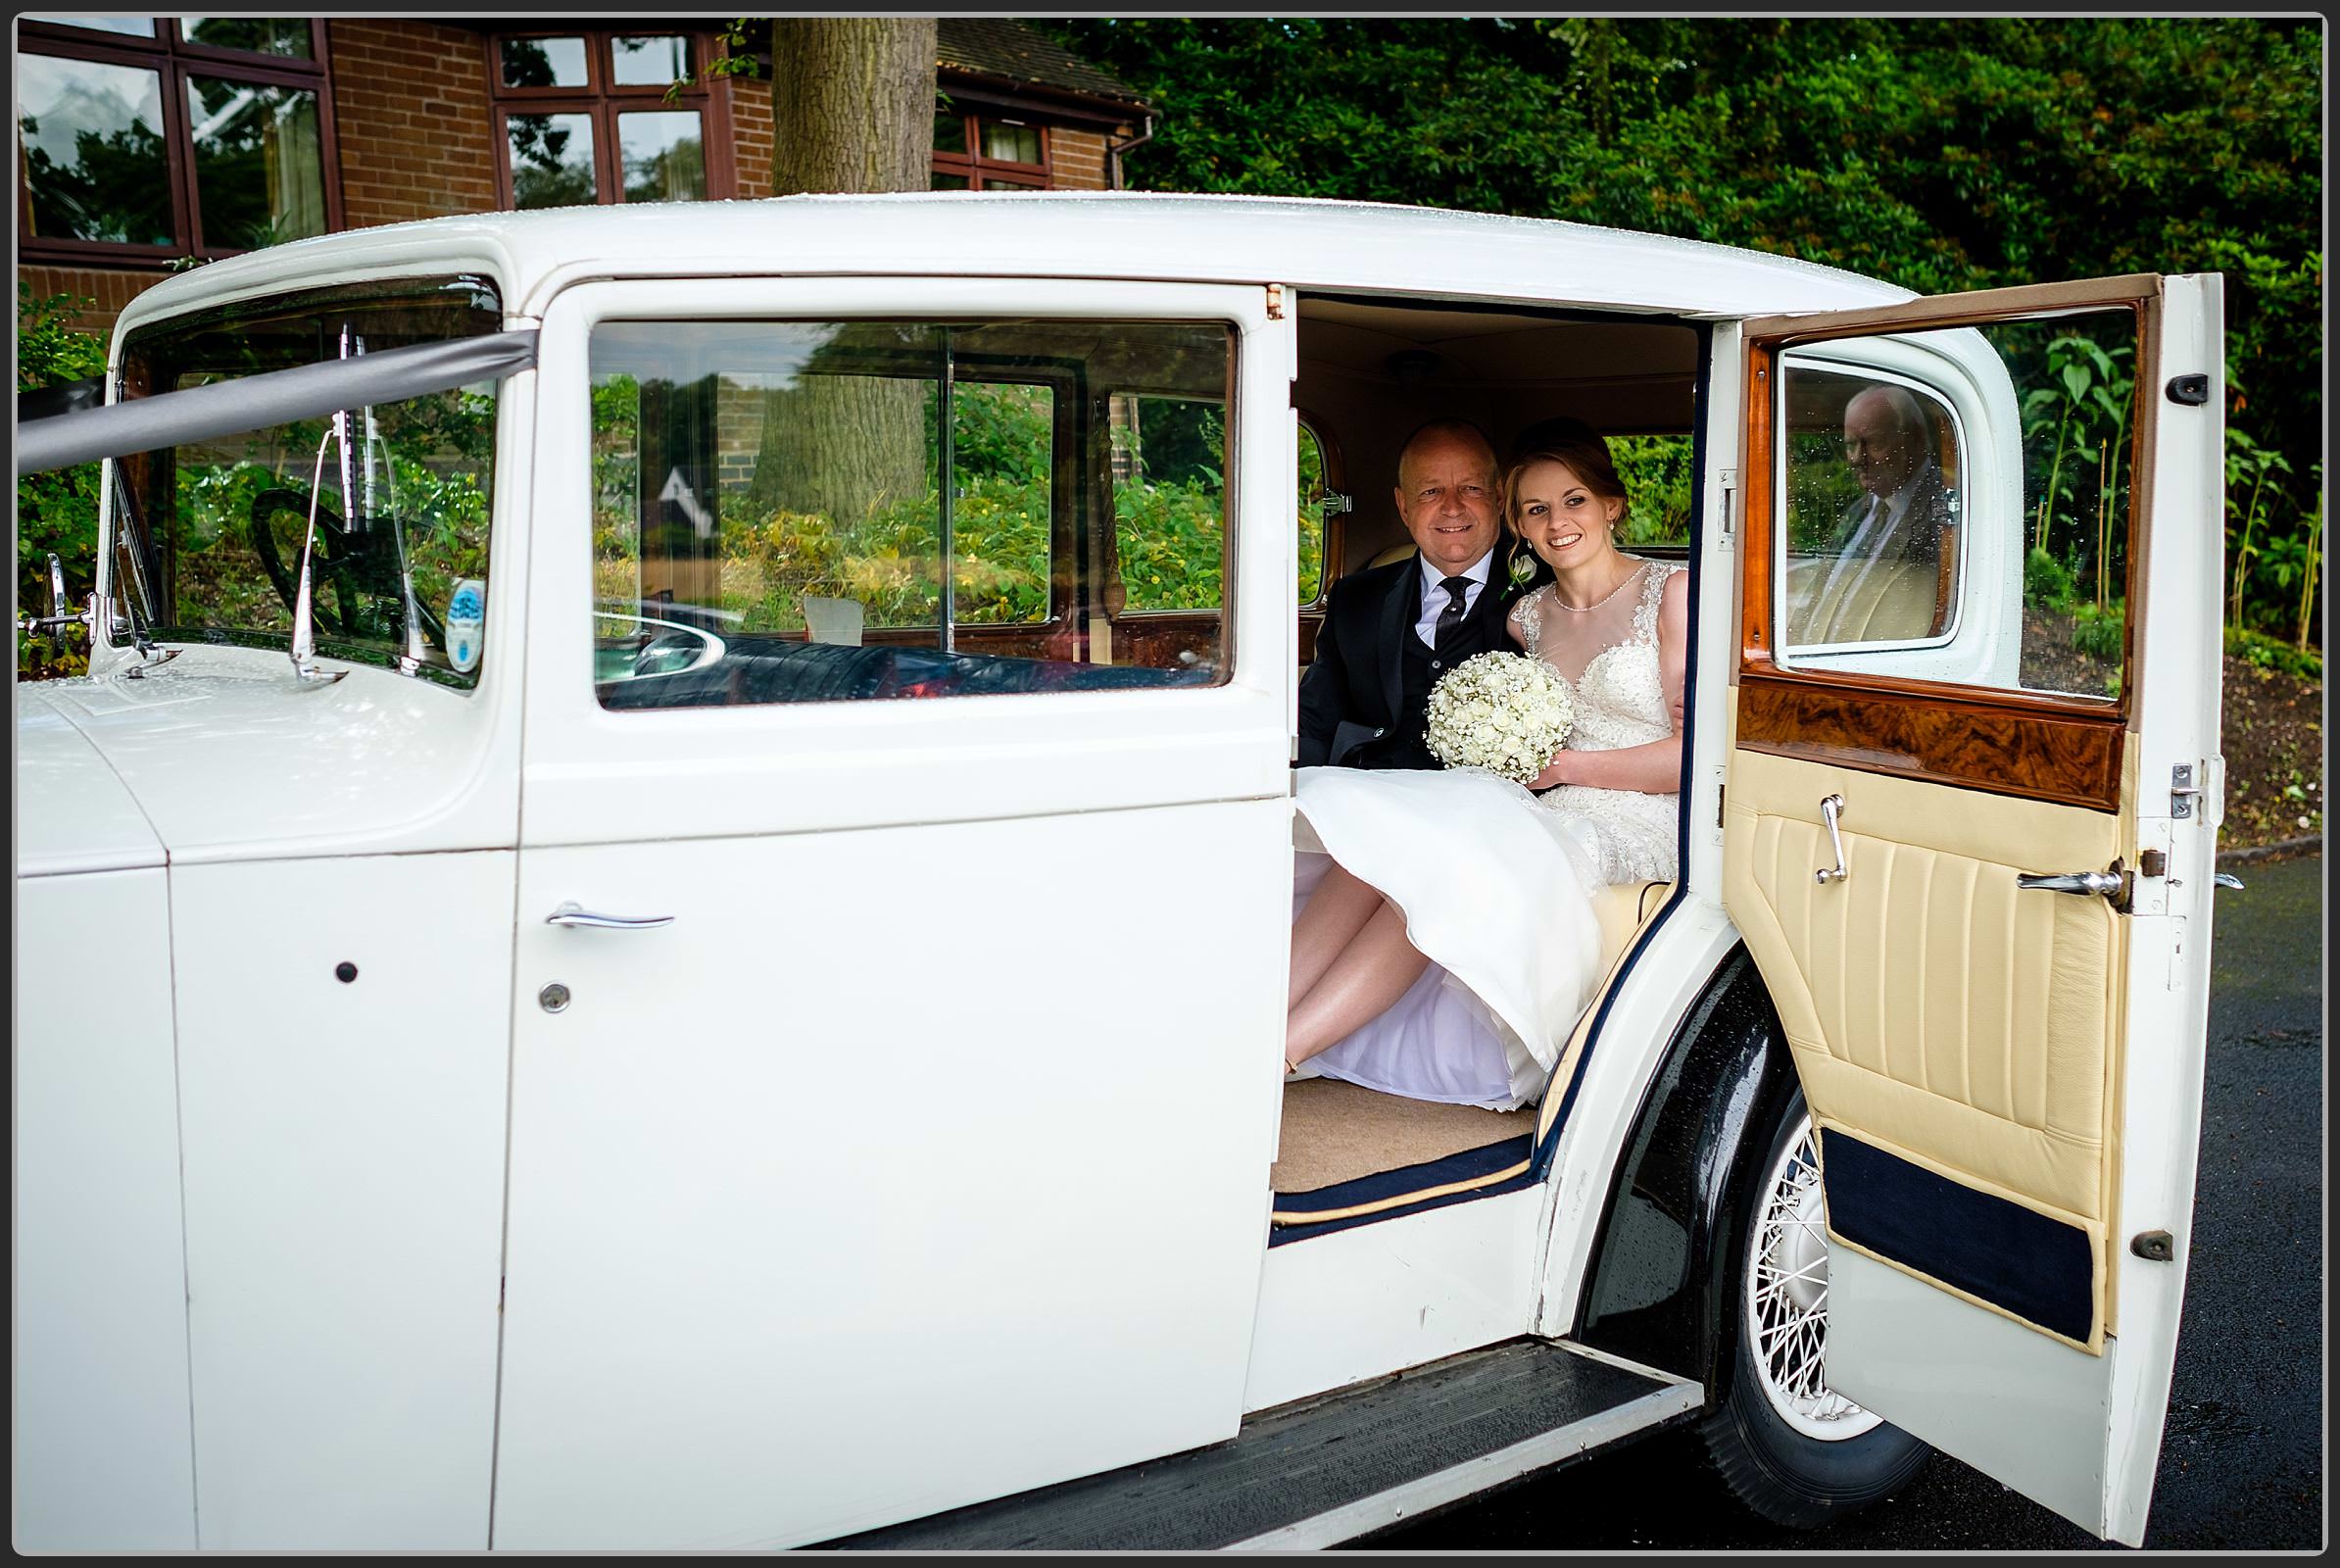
(1496, 891)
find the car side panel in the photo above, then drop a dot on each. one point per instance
(344, 1194)
(100, 1395)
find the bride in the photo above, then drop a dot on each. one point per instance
(1444, 942)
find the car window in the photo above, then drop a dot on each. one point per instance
(1971, 485)
(1312, 512)
(389, 508)
(823, 511)
(1873, 498)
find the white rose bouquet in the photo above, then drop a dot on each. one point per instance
(1506, 713)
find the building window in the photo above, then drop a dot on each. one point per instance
(153, 137)
(584, 117)
(989, 152)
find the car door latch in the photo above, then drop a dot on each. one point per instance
(2155, 1246)
(2191, 390)
(2184, 791)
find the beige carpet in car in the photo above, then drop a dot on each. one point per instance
(1335, 1132)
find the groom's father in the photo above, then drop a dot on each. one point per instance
(1390, 632)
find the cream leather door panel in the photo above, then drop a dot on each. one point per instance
(1938, 1013)
(1979, 908)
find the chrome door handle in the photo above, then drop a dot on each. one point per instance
(2228, 879)
(2106, 883)
(1831, 809)
(574, 914)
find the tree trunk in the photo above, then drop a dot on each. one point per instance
(853, 103)
(852, 111)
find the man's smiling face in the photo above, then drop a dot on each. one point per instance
(1446, 495)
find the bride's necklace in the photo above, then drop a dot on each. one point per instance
(1586, 609)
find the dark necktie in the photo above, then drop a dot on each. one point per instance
(1452, 615)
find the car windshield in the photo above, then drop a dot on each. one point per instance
(208, 536)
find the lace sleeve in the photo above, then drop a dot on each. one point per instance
(1527, 622)
(1653, 594)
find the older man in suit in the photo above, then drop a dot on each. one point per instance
(1899, 521)
(1388, 633)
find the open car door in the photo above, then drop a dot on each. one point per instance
(1969, 840)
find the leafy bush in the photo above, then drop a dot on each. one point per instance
(56, 512)
(2098, 632)
(2263, 652)
(2047, 582)
(1170, 538)
(1657, 474)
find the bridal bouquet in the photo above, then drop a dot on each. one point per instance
(1506, 713)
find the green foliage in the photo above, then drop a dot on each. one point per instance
(1171, 539)
(1657, 471)
(2047, 582)
(2076, 412)
(1938, 153)
(2098, 632)
(56, 512)
(1311, 516)
(2263, 652)
(734, 53)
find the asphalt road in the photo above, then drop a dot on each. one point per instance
(2242, 1456)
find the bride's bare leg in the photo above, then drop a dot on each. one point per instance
(1336, 912)
(1373, 971)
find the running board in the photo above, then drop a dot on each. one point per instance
(1320, 1472)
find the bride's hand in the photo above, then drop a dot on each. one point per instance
(1559, 773)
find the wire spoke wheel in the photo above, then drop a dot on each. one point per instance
(1785, 1299)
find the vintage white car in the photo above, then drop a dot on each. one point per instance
(664, 921)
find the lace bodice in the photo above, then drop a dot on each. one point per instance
(1608, 654)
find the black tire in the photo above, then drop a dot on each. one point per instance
(1769, 1462)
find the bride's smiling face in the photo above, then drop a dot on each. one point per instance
(1561, 519)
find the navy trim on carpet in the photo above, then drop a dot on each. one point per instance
(1468, 1165)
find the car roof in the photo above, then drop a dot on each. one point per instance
(1330, 246)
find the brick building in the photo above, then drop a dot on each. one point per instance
(145, 142)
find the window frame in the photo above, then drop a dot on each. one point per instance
(173, 60)
(602, 100)
(994, 174)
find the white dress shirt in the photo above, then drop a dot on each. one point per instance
(1434, 599)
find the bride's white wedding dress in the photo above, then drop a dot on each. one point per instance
(1496, 882)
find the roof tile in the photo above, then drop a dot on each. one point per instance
(1001, 46)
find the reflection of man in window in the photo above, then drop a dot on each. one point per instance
(1884, 582)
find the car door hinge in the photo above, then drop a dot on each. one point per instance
(1275, 301)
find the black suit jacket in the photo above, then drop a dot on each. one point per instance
(1354, 689)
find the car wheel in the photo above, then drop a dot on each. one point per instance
(1785, 1442)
